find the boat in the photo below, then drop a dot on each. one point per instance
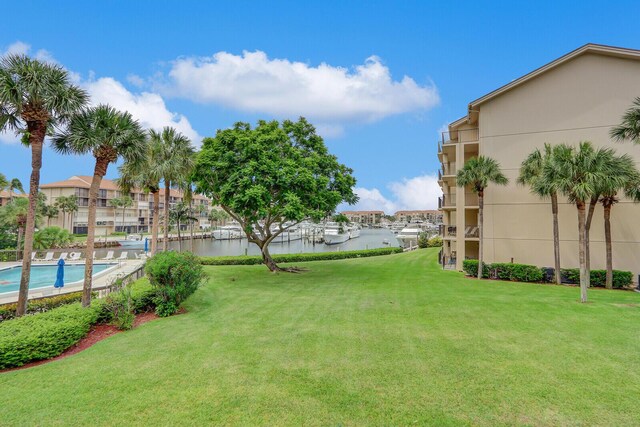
(228, 232)
(386, 242)
(287, 236)
(132, 241)
(354, 231)
(408, 236)
(335, 233)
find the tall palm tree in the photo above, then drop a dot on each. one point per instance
(35, 97)
(147, 175)
(624, 177)
(68, 205)
(50, 211)
(181, 213)
(123, 202)
(530, 174)
(478, 173)
(578, 173)
(176, 163)
(629, 128)
(108, 134)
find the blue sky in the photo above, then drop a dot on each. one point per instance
(379, 79)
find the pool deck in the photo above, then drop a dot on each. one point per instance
(100, 281)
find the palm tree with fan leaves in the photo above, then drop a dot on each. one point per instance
(478, 173)
(109, 135)
(35, 98)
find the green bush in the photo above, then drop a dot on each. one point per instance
(435, 242)
(8, 311)
(120, 308)
(51, 237)
(312, 256)
(470, 267)
(44, 335)
(515, 272)
(423, 240)
(174, 277)
(621, 279)
(8, 256)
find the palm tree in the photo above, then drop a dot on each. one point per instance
(123, 202)
(108, 134)
(176, 163)
(180, 213)
(35, 97)
(15, 186)
(68, 205)
(478, 173)
(578, 173)
(624, 177)
(15, 214)
(50, 211)
(530, 174)
(629, 129)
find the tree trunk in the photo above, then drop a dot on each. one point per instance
(480, 230)
(556, 237)
(155, 225)
(267, 260)
(165, 241)
(99, 171)
(582, 250)
(592, 207)
(179, 237)
(64, 220)
(37, 132)
(123, 209)
(191, 223)
(607, 237)
(20, 232)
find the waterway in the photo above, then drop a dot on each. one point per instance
(369, 239)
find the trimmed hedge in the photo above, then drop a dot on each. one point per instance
(43, 336)
(174, 276)
(313, 256)
(531, 273)
(8, 311)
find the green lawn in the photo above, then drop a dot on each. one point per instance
(389, 340)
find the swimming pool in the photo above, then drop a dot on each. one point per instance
(44, 275)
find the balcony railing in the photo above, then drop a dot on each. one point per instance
(464, 135)
(447, 201)
(448, 169)
(472, 231)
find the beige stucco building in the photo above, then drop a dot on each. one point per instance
(137, 219)
(364, 217)
(430, 215)
(577, 97)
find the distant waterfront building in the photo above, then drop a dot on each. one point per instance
(364, 217)
(577, 97)
(433, 216)
(137, 219)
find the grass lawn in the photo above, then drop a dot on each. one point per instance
(389, 340)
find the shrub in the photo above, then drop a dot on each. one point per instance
(621, 279)
(119, 308)
(8, 311)
(435, 242)
(313, 256)
(174, 277)
(470, 267)
(423, 240)
(43, 336)
(51, 237)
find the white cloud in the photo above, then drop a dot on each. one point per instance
(135, 80)
(420, 192)
(148, 108)
(327, 94)
(22, 48)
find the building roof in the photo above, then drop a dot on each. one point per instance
(591, 48)
(362, 212)
(6, 195)
(84, 181)
(418, 212)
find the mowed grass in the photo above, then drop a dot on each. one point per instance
(390, 340)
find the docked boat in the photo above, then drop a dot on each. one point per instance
(289, 235)
(335, 233)
(132, 241)
(228, 232)
(408, 236)
(354, 231)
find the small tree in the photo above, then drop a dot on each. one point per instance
(274, 173)
(478, 173)
(179, 214)
(123, 202)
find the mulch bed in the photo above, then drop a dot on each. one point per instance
(96, 334)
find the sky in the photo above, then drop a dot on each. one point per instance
(379, 80)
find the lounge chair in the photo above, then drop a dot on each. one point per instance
(48, 257)
(33, 256)
(75, 256)
(109, 256)
(140, 256)
(63, 255)
(123, 256)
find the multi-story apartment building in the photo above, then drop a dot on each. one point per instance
(364, 217)
(137, 219)
(433, 216)
(577, 97)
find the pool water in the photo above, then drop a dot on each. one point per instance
(44, 275)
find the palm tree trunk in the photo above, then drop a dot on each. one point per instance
(99, 171)
(582, 250)
(165, 241)
(179, 237)
(37, 132)
(607, 237)
(480, 231)
(556, 236)
(20, 232)
(155, 225)
(123, 208)
(191, 223)
(592, 207)
(64, 220)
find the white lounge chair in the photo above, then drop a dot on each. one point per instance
(33, 256)
(123, 256)
(63, 255)
(48, 257)
(109, 256)
(75, 256)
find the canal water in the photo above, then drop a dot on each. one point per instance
(369, 239)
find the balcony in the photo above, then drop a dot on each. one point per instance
(447, 201)
(471, 200)
(460, 136)
(472, 232)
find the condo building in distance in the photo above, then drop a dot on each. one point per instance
(138, 218)
(578, 97)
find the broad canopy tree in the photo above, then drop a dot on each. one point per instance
(272, 174)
